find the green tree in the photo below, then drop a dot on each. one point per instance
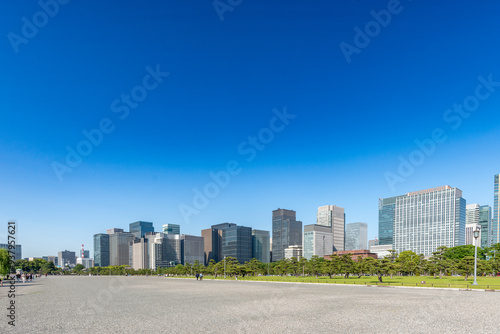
(408, 262)
(346, 264)
(466, 266)
(315, 265)
(5, 262)
(78, 268)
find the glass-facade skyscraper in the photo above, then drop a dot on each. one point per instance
(480, 215)
(101, 250)
(318, 240)
(261, 246)
(427, 219)
(287, 231)
(171, 229)
(333, 216)
(386, 210)
(140, 228)
(356, 236)
(237, 242)
(495, 226)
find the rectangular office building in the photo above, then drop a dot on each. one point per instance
(356, 236)
(237, 243)
(261, 246)
(333, 216)
(119, 247)
(427, 219)
(192, 249)
(495, 225)
(101, 250)
(318, 240)
(287, 231)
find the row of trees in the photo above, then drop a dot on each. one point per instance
(444, 262)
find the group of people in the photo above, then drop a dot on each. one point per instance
(199, 276)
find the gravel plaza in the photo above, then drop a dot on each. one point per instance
(99, 304)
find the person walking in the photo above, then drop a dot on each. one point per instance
(23, 276)
(197, 276)
(201, 276)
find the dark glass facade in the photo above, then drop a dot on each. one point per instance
(386, 215)
(286, 232)
(485, 223)
(237, 243)
(140, 228)
(101, 250)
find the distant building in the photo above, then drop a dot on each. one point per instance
(485, 223)
(287, 231)
(86, 262)
(140, 228)
(372, 243)
(381, 250)
(421, 221)
(333, 216)
(261, 246)
(114, 230)
(119, 247)
(213, 242)
(67, 258)
(237, 243)
(318, 240)
(164, 250)
(192, 249)
(17, 251)
(495, 225)
(171, 229)
(293, 251)
(364, 253)
(53, 259)
(101, 250)
(469, 234)
(356, 235)
(140, 253)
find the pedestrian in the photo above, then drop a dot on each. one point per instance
(236, 277)
(201, 276)
(1, 282)
(23, 276)
(197, 276)
(18, 276)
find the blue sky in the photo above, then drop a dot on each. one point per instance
(352, 121)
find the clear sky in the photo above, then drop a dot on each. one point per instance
(307, 103)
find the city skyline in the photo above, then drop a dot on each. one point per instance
(176, 113)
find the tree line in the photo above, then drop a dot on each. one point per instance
(443, 262)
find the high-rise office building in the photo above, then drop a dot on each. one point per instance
(237, 243)
(495, 225)
(17, 251)
(140, 253)
(318, 240)
(164, 250)
(425, 220)
(386, 210)
(171, 229)
(479, 215)
(101, 250)
(119, 247)
(472, 214)
(485, 223)
(334, 217)
(356, 235)
(261, 246)
(213, 242)
(67, 258)
(192, 249)
(140, 228)
(469, 234)
(287, 231)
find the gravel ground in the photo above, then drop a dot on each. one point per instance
(166, 305)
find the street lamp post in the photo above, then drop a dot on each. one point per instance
(476, 235)
(224, 267)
